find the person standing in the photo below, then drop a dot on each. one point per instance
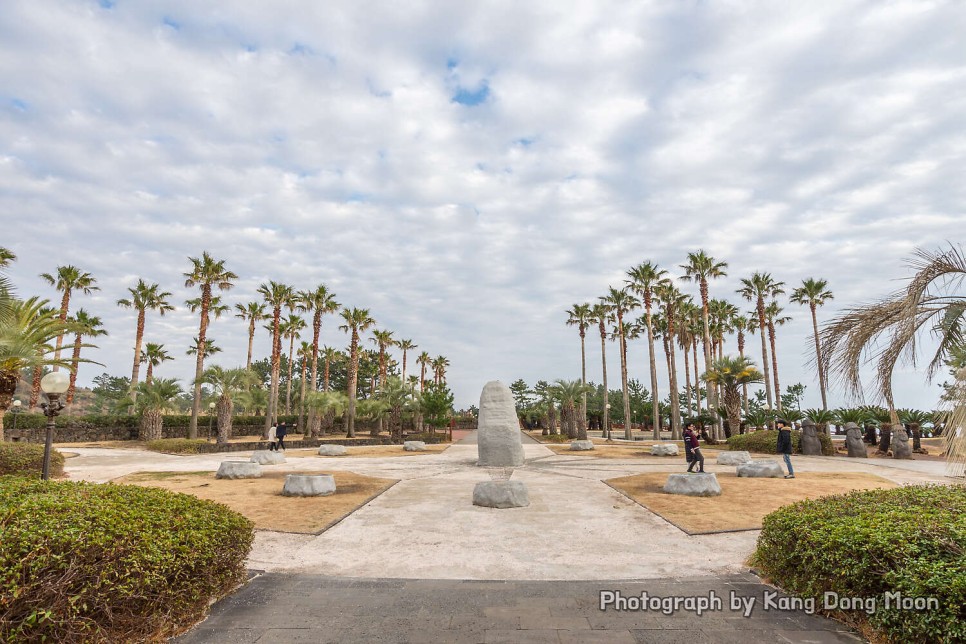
(280, 433)
(692, 449)
(784, 446)
(272, 445)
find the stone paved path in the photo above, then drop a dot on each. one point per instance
(278, 609)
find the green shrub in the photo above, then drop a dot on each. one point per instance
(82, 562)
(764, 442)
(28, 459)
(177, 445)
(910, 540)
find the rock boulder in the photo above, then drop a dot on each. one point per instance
(581, 446)
(761, 469)
(705, 484)
(414, 446)
(332, 450)
(733, 458)
(308, 485)
(238, 470)
(664, 449)
(267, 457)
(501, 494)
(498, 428)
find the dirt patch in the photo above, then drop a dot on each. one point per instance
(743, 501)
(261, 499)
(369, 451)
(635, 452)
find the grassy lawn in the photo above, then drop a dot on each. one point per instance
(369, 451)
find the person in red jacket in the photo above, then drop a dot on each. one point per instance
(693, 449)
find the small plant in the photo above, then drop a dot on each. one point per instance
(27, 459)
(765, 441)
(177, 445)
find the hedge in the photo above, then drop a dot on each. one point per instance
(84, 562)
(27, 459)
(910, 540)
(177, 445)
(27, 420)
(764, 442)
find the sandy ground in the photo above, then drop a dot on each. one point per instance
(425, 526)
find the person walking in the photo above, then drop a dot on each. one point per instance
(280, 433)
(784, 446)
(692, 449)
(272, 445)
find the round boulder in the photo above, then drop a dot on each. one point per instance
(308, 485)
(332, 450)
(761, 469)
(238, 470)
(414, 446)
(581, 446)
(664, 449)
(501, 494)
(733, 458)
(267, 457)
(693, 484)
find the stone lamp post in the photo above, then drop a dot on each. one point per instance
(15, 410)
(211, 414)
(54, 385)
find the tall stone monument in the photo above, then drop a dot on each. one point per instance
(854, 442)
(498, 429)
(811, 445)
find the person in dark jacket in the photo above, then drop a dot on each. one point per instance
(784, 446)
(692, 449)
(280, 435)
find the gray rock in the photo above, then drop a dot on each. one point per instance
(698, 484)
(664, 449)
(501, 494)
(761, 469)
(308, 485)
(239, 470)
(900, 443)
(332, 450)
(581, 446)
(414, 446)
(854, 442)
(733, 458)
(267, 457)
(811, 445)
(498, 429)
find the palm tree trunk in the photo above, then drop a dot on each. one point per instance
(149, 374)
(605, 430)
(273, 387)
(224, 409)
(628, 432)
(35, 387)
(744, 385)
(706, 343)
(583, 381)
(150, 425)
(687, 378)
(135, 371)
(655, 399)
(353, 375)
(64, 306)
(302, 425)
(200, 362)
(818, 358)
(251, 342)
(774, 362)
(74, 361)
(697, 380)
(288, 385)
(762, 326)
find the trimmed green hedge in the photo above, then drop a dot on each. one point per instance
(27, 459)
(910, 540)
(28, 420)
(764, 442)
(82, 562)
(177, 445)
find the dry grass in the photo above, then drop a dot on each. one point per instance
(261, 499)
(631, 452)
(743, 501)
(369, 451)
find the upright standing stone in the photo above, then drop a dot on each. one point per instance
(900, 443)
(498, 433)
(854, 442)
(811, 445)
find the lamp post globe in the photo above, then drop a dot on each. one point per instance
(211, 412)
(15, 411)
(53, 385)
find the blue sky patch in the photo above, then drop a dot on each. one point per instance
(171, 22)
(19, 104)
(106, 4)
(471, 97)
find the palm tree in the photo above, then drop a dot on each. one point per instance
(68, 279)
(383, 340)
(424, 361)
(209, 350)
(329, 356)
(38, 370)
(253, 312)
(773, 313)
(153, 399)
(144, 297)
(277, 296)
(567, 392)
(154, 355)
(579, 316)
(743, 324)
(700, 268)
(290, 329)
(356, 321)
(888, 328)
(601, 314)
(398, 396)
(815, 293)
(304, 353)
(324, 407)
(206, 273)
(756, 289)
(688, 332)
(672, 301)
(321, 302)
(27, 335)
(730, 373)
(226, 384)
(440, 364)
(643, 278)
(82, 325)
(620, 303)
(405, 345)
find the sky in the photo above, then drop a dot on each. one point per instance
(469, 171)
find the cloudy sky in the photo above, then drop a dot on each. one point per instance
(469, 171)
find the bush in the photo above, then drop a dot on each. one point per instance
(178, 445)
(27, 459)
(764, 442)
(910, 540)
(82, 562)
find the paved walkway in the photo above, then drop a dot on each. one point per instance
(280, 609)
(364, 578)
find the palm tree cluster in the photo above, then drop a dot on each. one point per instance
(32, 335)
(676, 320)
